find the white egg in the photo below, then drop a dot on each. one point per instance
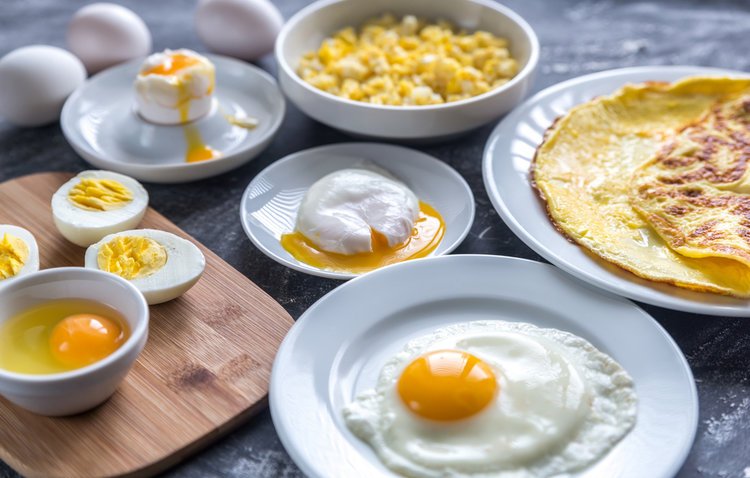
(105, 34)
(244, 29)
(19, 252)
(339, 211)
(34, 83)
(558, 405)
(180, 267)
(97, 203)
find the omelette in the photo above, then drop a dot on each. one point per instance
(654, 179)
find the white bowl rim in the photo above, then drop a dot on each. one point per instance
(525, 72)
(136, 334)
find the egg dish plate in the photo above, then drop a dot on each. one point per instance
(507, 160)
(271, 201)
(337, 349)
(100, 122)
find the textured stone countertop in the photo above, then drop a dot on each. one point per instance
(577, 37)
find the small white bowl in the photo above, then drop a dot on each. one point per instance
(306, 30)
(79, 390)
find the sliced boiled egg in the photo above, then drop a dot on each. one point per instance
(19, 253)
(96, 203)
(160, 264)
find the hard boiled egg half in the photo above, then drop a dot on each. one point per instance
(96, 203)
(19, 253)
(158, 263)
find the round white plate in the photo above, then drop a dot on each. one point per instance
(507, 158)
(270, 203)
(100, 123)
(337, 348)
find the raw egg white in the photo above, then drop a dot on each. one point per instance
(160, 264)
(495, 399)
(96, 203)
(19, 253)
(105, 34)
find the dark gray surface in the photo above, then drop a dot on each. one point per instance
(577, 37)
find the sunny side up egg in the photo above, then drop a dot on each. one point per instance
(19, 253)
(495, 399)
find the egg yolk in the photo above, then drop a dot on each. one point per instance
(425, 237)
(95, 194)
(172, 65)
(131, 257)
(82, 339)
(197, 150)
(447, 385)
(13, 255)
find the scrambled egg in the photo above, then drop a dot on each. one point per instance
(408, 62)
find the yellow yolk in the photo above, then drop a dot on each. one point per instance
(13, 255)
(131, 257)
(447, 385)
(95, 194)
(425, 237)
(82, 339)
(197, 150)
(174, 63)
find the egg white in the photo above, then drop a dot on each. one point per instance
(32, 261)
(562, 404)
(185, 265)
(83, 227)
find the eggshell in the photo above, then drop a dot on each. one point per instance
(105, 34)
(35, 81)
(244, 29)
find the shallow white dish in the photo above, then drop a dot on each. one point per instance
(507, 158)
(100, 123)
(337, 348)
(306, 30)
(269, 205)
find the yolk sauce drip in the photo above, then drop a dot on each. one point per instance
(427, 233)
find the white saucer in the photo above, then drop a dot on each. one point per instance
(507, 158)
(269, 205)
(337, 348)
(100, 123)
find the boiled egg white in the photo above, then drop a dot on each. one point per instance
(495, 399)
(160, 264)
(96, 203)
(19, 252)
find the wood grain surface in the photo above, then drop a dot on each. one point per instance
(205, 368)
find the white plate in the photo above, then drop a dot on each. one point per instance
(270, 203)
(507, 158)
(100, 123)
(336, 349)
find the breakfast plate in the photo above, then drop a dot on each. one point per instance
(270, 202)
(507, 159)
(100, 123)
(336, 350)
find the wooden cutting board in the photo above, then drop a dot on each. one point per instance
(205, 368)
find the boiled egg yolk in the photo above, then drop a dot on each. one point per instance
(132, 257)
(13, 255)
(82, 339)
(95, 194)
(447, 385)
(427, 233)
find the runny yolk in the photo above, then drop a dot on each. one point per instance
(447, 385)
(82, 339)
(13, 255)
(172, 65)
(425, 237)
(197, 150)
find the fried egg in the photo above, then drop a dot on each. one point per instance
(96, 203)
(495, 399)
(19, 253)
(160, 264)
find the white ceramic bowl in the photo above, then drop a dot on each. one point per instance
(78, 390)
(310, 26)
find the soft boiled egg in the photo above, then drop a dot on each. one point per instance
(158, 263)
(356, 220)
(96, 203)
(19, 253)
(497, 399)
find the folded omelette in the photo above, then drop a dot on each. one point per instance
(654, 178)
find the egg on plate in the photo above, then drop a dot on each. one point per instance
(495, 399)
(19, 253)
(96, 203)
(160, 264)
